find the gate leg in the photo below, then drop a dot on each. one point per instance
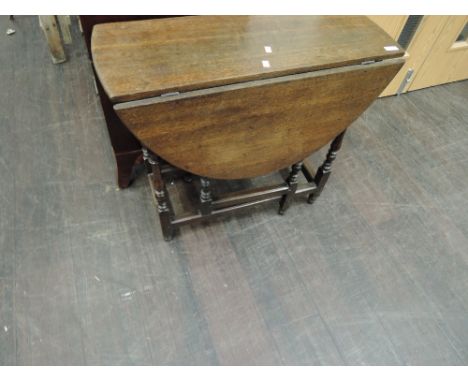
(292, 183)
(160, 193)
(205, 197)
(324, 171)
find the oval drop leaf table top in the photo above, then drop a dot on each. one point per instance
(241, 96)
(140, 59)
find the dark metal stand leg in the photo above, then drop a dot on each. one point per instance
(292, 183)
(164, 206)
(205, 197)
(324, 171)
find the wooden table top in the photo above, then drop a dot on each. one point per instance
(140, 59)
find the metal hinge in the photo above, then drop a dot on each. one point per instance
(406, 81)
(170, 94)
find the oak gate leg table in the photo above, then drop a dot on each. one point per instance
(236, 97)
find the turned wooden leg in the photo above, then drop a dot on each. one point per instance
(324, 171)
(146, 161)
(164, 205)
(292, 183)
(205, 197)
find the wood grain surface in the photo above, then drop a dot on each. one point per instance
(140, 59)
(255, 128)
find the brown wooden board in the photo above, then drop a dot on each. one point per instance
(254, 128)
(140, 59)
